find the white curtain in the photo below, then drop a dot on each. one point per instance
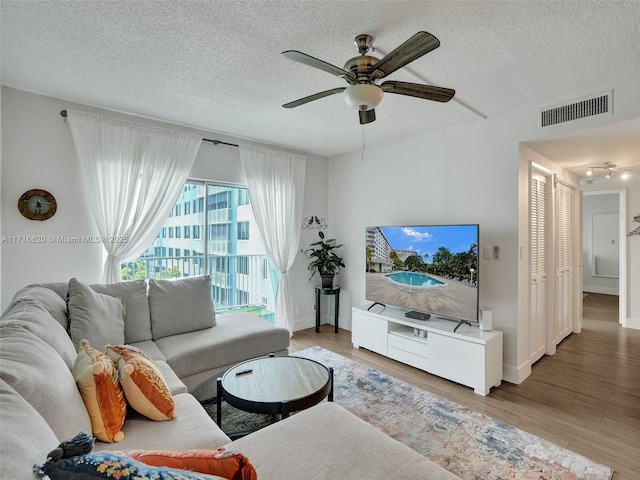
(133, 175)
(276, 186)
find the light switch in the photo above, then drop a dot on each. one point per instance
(496, 252)
(487, 253)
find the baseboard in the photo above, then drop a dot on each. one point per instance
(304, 323)
(602, 290)
(632, 323)
(516, 375)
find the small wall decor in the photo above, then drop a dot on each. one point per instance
(313, 223)
(636, 231)
(36, 204)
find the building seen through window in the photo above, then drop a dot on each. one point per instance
(211, 229)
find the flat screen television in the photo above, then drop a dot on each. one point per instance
(426, 269)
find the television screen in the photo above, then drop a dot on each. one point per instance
(425, 268)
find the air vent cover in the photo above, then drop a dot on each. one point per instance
(600, 104)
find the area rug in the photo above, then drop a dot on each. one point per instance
(465, 442)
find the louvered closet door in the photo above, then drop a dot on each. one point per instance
(564, 264)
(538, 315)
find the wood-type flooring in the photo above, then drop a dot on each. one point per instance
(585, 398)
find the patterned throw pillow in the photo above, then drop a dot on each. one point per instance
(114, 466)
(97, 379)
(226, 463)
(144, 386)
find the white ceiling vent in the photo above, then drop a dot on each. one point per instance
(600, 104)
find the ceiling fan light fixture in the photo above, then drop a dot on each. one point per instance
(363, 96)
(589, 172)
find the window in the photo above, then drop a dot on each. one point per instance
(243, 197)
(243, 265)
(243, 230)
(215, 241)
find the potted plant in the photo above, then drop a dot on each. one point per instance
(324, 260)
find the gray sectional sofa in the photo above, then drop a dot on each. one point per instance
(172, 322)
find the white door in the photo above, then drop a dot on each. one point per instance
(564, 261)
(538, 315)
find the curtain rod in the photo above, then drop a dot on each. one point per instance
(63, 113)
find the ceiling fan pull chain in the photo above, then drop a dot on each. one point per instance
(362, 143)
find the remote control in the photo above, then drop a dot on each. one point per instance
(242, 372)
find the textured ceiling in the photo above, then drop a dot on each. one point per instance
(217, 65)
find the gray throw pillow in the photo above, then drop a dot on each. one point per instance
(180, 306)
(137, 325)
(98, 318)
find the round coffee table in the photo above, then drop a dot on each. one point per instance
(276, 385)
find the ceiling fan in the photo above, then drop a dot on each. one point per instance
(363, 71)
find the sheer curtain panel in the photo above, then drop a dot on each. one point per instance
(133, 175)
(276, 186)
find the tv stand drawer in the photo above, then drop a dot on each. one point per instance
(409, 358)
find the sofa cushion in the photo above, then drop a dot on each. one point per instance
(97, 379)
(175, 384)
(235, 338)
(111, 465)
(60, 288)
(38, 373)
(54, 303)
(336, 444)
(181, 305)
(94, 316)
(221, 461)
(137, 325)
(150, 348)
(32, 315)
(192, 428)
(143, 383)
(25, 437)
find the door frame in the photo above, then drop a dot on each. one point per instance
(622, 247)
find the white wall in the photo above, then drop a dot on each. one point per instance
(38, 152)
(467, 173)
(606, 203)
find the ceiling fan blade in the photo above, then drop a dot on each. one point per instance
(428, 92)
(300, 57)
(315, 96)
(367, 116)
(418, 45)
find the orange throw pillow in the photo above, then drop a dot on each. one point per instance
(220, 462)
(143, 383)
(97, 379)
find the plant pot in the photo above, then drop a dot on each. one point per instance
(327, 280)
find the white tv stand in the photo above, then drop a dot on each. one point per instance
(470, 356)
